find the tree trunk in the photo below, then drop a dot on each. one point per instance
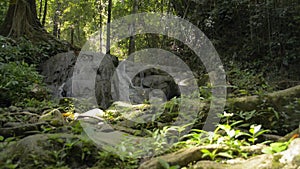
(276, 99)
(78, 31)
(72, 35)
(21, 19)
(186, 156)
(45, 13)
(108, 27)
(99, 7)
(132, 38)
(56, 20)
(41, 8)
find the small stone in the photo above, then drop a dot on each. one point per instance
(94, 113)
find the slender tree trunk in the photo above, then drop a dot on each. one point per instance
(41, 8)
(58, 30)
(100, 24)
(108, 27)
(166, 29)
(78, 31)
(186, 9)
(72, 35)
(45, 13)
(269, 31)
(99, 10)
(56, 19)
(131, 48)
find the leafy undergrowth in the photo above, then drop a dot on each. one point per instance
(20, 82)
(28, 100)
(24, 99)
(22, 49)
(70, 153)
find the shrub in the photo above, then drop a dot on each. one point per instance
(22, 49)
(19, 81)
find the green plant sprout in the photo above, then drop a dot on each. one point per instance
(278, 146)
(227, 135)
(255, 131)
(215, 154)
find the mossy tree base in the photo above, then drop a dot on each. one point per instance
(21, 21)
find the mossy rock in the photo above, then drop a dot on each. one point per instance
(50, 150)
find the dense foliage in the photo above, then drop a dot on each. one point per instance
(256, 35)
(18, 82)
(251, 35)
(258, 42)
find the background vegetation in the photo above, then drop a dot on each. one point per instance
(258, 43)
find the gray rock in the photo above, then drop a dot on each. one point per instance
(94, 113)
(92, 77)
(292, 155)
(41, 148)
(150, 80)
(57, 71)
(103, 81)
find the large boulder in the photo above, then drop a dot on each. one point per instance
(58, 71)
(59, 76)
(137, 85)
(103, 81)
(45, 150)
(156, 79)
(92, 75)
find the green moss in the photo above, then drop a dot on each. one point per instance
(275, 162)
(296, 160)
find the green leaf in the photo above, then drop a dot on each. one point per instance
(252, 139)
(205, 151)
(238, 133)
(278, 147)
(267, 150)
(225, 154)
(199, 131)
(1, 138)
(237, 122)
(261, 132)
(164, 163)
(275, 148)
(225, 127)
(175, 167)
(9, 139)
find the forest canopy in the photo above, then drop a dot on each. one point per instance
(249, 33)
